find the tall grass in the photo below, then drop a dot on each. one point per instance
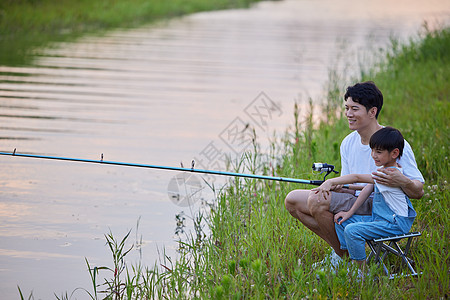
(256, 250)
(416, 78)
(26, 24)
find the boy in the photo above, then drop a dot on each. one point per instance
(392, 211)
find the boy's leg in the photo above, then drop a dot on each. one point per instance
(356, 235)
(340, 229)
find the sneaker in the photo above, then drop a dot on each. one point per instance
(335, 261)
(332, 259)
(361, 276)
(357, 274)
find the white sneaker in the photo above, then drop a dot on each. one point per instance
(332, 259)
(357, 273)
(335, 260)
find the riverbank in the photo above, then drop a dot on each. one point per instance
(257, 250)
(25, 25)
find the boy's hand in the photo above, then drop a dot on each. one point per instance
(338, 188)
(341, 217)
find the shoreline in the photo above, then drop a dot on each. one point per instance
(26, 25)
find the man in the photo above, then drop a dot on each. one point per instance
(363, 103)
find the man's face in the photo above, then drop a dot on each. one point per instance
(357, 115)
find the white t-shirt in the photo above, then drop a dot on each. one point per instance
(356, 159)
(395, 198)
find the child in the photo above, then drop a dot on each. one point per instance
(392, 212)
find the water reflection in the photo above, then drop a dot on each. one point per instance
(159, 94)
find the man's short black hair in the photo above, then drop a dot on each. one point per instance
(366, 94)
(388, 138)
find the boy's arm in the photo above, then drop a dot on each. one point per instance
(365, 193)
(350, 178)
(344, 215)
(325, 187)
(351, 189)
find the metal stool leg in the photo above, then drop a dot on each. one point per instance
(380, 250)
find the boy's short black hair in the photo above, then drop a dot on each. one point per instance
(388, 138)
(366, 94)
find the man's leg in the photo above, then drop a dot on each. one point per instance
(296, 203)
(325, 220)
(303, 205)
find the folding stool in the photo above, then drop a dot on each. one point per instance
(381, 247)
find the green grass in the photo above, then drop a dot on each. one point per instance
(26, 24)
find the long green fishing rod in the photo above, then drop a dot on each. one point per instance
(317, 167)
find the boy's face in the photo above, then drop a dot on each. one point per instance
(384, 157)
(357, 115)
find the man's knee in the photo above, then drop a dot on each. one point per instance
(289, 201)
(296, 202)
(317, 205)
(295, 198)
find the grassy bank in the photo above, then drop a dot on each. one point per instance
(257, 250)
(26, 24)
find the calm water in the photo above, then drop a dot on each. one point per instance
(189, 88)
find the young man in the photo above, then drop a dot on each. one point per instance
(363, 103)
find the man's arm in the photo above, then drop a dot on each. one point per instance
(393, 177)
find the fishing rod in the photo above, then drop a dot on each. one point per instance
(321, 167)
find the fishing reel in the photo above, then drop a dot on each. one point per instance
(324, 167)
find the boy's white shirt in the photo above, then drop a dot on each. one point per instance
(395, 198)
(362, 162)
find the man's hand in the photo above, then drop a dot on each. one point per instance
(323, 190)
(390, 177)
(393, 177)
